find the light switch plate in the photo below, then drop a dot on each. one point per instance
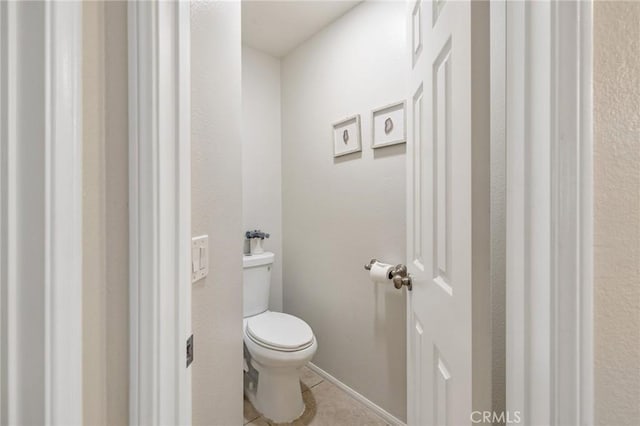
(199, 257)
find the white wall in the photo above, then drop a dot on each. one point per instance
(340, 213)
(105, 214)
(261, 157)
(617, 212)
(94, 353)
(216, 199)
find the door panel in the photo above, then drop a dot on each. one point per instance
(441, 191)
(417, 158)
(447, 206)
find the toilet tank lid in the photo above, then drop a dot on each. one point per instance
(249, 261)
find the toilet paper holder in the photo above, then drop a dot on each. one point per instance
(399, 275)
(368, 265)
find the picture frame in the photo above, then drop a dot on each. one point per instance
(347, 137)
(389, 125)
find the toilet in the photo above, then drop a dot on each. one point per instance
(276, 346)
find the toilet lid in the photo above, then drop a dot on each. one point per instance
(280, 331)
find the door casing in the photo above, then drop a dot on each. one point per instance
(549, 214)
(160, 212)
(41, 213)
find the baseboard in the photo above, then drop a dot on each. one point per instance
(386, 416)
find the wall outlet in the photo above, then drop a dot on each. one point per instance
(199, 257)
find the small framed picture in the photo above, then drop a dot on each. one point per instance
(389, 125)
(346, 136)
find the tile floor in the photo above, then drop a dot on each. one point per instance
(326, 405)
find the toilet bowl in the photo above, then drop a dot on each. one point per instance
(276, 347)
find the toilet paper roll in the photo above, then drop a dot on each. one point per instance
(380, 272)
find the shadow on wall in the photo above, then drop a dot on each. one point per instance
(387, 151)
(347, 157)
(390, 151)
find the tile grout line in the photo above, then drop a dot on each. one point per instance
(309, 388)
(256, 418)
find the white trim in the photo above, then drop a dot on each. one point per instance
(10, 205)
(586, 230)
(63, 213)
(42, 260)
(7, 98)
(549, 212)
(184, 194)
(3, 167)
(386, 416)
(160, 212)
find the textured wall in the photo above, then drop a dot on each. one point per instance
(262, 157)
(498, 204)
(105, 214)
(617, 212)
(340, 213)
(216, 202)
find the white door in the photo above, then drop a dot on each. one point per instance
(448, 309)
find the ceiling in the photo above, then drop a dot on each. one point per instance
(277, 27)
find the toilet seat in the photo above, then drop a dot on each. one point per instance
(279, 332)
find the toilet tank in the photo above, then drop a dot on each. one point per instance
(256, 280)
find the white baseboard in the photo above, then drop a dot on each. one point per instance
(386, 416)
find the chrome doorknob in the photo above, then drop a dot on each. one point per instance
(397, 281)
(401, 277)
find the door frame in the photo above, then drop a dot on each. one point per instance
(160, 211)
(41, 213)
(549, 213)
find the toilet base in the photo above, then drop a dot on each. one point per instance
(277, 394)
